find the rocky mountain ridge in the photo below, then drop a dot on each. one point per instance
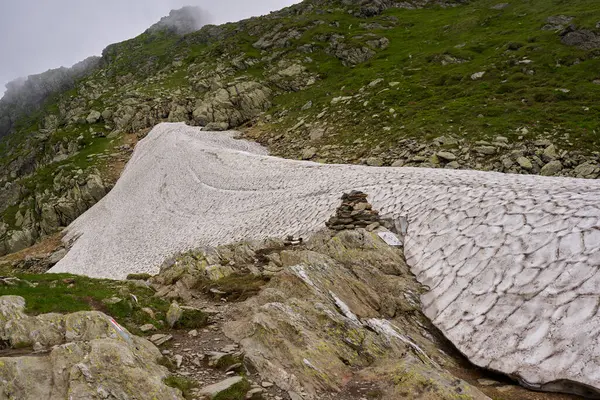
(448, 84)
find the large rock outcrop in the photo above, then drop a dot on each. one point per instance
(337, 305)
(231, 106)
(85, 355)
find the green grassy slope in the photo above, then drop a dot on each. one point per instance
(417, 83)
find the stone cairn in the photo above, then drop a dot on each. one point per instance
(355, 212)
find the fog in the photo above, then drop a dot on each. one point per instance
(38, 35)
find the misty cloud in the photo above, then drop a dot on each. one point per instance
(185, 20)
(39, 35)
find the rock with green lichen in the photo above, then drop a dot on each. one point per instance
(89, 357)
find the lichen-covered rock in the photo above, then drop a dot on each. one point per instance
(90, 358)
(233, 105)
(341, 305)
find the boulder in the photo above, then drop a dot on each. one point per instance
(309, 153)
(552, 168)
(485, 150)
(550, 153)
(374, 162)
(525, 163)
(93, 117)
(88, 357)
(446, 155)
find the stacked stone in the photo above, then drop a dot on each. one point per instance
(355, 212)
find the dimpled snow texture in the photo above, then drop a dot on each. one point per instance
(511, 261)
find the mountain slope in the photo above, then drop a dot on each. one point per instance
(506, 87)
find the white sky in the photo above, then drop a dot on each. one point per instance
(37, 35)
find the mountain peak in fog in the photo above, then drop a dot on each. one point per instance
(183, 21)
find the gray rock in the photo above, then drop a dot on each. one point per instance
(107, 115)
(588, 170)
(294, 396)
(174, 314)
(317, 134)
(213, 391)
(485, 150)
(216, 126)
(93, 117)
(234, 105)
(525, 163)
(507, 162)
(147, 328)
(309, 153)
(98, 359)
(19, 240)
(552, 168)
(477, 75)
(550, 153)
(374, 162)
(57, 256)
(583, 38)
(557, 22)
(446, 155)
(307, 106)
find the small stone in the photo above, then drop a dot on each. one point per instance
(234, 367)
(372, 227)
(255, 394)
(552, 168)
(525, 163)
(375, 82)
(294, 396)
(500, 6)
(309, 153)
(147, 328)
(307, 106)
(446, 155)
(112, 300)
(214, 390)
(160, 339)
(487, 382)
(398, 163)
(453, 165)
(267, 384)
(193, 333)
(178, 360)
(174, 314)
(477, 75)
(550, 153)
(374, 162)
(486, 150)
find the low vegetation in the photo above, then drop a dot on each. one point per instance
(63, 293)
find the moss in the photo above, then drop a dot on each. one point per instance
(63, 293)
(186, 385)
(237, 287)
(236, 392)
(140, 277)
(192, 319)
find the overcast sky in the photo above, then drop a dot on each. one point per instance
(36, 35)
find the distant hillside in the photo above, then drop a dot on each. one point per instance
(511, 87)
